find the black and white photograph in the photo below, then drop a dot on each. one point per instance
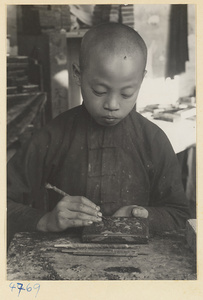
(101, 144)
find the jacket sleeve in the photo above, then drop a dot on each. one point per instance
(24, 185)
(168, 209)
(29, 170)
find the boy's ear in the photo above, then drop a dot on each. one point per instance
(76, 74)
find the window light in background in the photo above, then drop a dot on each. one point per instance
(158, 91)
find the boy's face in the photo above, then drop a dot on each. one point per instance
(110, 86)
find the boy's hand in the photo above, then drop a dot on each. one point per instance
(71, 211)
(131, 211)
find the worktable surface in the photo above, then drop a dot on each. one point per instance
(33, 256)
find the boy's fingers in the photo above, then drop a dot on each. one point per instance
(79, 223)
(81, 200)
(89, 203)
(140, 212)
(79, 207)
(69, 223)
(83, 216)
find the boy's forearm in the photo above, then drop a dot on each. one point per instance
(166, 219)
(22, 217)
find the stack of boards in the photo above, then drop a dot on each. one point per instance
(17, 76)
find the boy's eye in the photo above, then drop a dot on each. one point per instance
(97, 93)
(126, 96)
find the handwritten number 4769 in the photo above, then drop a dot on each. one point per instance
(28, 288)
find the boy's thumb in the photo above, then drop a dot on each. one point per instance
(140, 212)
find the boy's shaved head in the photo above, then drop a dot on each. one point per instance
(112, 68)
(114, 39)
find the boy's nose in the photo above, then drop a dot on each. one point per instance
(111, 104)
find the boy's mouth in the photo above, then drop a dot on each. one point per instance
(110, 119)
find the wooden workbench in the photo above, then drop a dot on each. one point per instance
(32, 256)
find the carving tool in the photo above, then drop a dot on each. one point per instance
(62, 193)
(86, 246)
(109, 252)
(54, 188)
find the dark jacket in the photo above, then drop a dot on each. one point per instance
(129, 163)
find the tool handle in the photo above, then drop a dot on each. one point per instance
(54, 188)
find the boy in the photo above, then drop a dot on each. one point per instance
(103, 154)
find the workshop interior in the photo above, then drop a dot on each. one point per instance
(43, 42)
